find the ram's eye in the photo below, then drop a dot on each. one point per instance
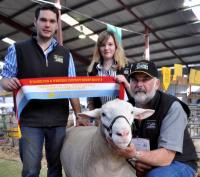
(131, 112)
(103, 114)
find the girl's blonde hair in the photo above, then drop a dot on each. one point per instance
(119, 55)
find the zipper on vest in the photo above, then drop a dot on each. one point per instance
(47, 62)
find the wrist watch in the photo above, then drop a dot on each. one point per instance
(137, 156)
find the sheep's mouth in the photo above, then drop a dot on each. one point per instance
(122, 145)
(121, 141)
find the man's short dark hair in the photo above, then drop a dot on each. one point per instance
(46, 7)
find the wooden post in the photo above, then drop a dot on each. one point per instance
(147, 51)
(59, 31)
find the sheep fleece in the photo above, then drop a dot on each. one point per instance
(85, 153)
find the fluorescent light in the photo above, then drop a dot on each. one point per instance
(69, 20)
(82, 36)
(195, 7)
(81, 28)
(191, 3)
(94, 37)
(84, 29)
(196, 11)
(8, 40)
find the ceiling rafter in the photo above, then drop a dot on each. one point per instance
(32, 6)
(174, 57)
(181, 36)
(134, 21)
(109, 12)
(151, 30)
(117, 10)
(25, 9)
(139, 54)
(87, 2)
(26, 30)
(15, 25)
(177, 34)
(165, 50)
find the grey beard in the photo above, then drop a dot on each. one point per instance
(142, 98)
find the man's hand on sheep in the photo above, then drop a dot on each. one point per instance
(141, 168)
(86, 121)
(81, 122)
(128, 152)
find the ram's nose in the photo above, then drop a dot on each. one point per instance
(123, 133)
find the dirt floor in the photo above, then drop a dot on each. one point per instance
(9, 150)
(9, 153)
(10, 163)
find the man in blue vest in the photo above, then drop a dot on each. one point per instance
(162, 145)
(41, 120)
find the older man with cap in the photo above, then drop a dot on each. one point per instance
(162, 145)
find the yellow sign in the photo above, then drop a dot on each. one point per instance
(194, 77)
(197, 78)
(166, 73)
(15, 132)
(178, 71)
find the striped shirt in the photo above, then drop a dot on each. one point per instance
(111, 72)
(10, 67)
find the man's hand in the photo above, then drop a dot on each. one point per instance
(81, 122)
(10, 84)
(128, 152)
(121, 79)
(86, 121)
(141, 168)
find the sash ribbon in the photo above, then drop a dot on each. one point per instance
(65, 87)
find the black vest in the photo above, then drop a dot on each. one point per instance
(31, 63)
(161, 104)
(124, 71)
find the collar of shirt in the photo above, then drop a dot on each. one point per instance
(113, 67)
(53, 44)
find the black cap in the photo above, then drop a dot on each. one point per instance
(144, 66)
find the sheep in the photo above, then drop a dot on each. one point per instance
(86, 152)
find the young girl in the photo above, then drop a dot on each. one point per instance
(108, 60)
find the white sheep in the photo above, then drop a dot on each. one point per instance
(86, 153)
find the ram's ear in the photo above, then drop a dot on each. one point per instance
(140, 113)
(90, 114)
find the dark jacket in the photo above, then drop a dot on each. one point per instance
(31, 63)
(161, 103)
